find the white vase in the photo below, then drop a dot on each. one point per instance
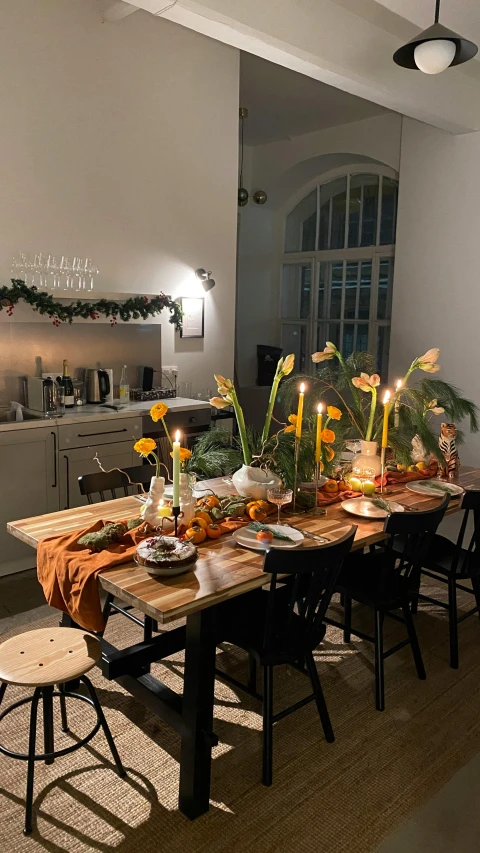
(187, 501)
(254, 483)
(155, 495)
(368, 457)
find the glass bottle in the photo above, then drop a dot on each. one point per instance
(124, 386)
(67, 384)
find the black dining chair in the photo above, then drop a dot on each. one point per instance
(386, 580)
(284, 623)
(451, 562)
(108, 485)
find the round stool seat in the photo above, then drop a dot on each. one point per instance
(48, 656)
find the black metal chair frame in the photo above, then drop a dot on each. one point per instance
(100, 483)
(462, 558)
(47, 693)
(310, 576)
(407, 564)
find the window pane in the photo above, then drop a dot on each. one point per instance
(322, 283)
(336, 292)
(296, 286)
(388, 222)
(332, 200)
(348, 339)
(384, 305)
(301, 225)
(362, 337)
(328, 332)
(351, 291)
(294, 338)
(369, 209)
(382, 350)
(365, 291)
(354, 212)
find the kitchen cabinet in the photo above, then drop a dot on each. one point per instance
(74, 463)
(29, 486)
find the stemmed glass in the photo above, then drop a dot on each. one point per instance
(280, 497)
(365, 475)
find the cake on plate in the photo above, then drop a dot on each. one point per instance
(165, 555)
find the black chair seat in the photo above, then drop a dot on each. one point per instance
(365, 580)
(243, 621)
(446, 557)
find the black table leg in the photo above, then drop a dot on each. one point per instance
(197, 714)
(66, 621)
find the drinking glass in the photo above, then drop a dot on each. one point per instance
(365, 475)
(60, 399)
(280, 497)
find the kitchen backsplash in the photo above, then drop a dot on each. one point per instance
(83, 344)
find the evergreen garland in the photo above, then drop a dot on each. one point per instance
(132, 308)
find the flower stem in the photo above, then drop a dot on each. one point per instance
(271, 403)
(368, 434)
(157, 463)
(167, 433)
(241, 427)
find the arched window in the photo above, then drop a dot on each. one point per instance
(337, 267)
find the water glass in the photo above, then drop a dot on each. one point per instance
(60, 398)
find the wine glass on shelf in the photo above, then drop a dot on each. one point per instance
(280, 497)
(78, 271)
(66, 270)
(53, 270)
(91, 271)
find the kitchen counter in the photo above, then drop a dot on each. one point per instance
(90, 412)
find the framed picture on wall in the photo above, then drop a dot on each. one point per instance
(193, 317)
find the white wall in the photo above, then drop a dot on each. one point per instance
(119, 141)
(436, 298)
(284, 170)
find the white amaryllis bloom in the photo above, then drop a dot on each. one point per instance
(329, 352)
(219, 402)
(428, 367)
(431, 356)
(288, 363)
(365, 382)
(437, 410)
(222, 382)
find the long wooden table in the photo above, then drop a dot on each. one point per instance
(222, 571)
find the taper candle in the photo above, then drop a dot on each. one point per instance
(386, 410)
(396, 417)
(176, 470)
(318, 445)
(298, 431)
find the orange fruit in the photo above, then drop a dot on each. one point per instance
(264, 536)
(331, 486)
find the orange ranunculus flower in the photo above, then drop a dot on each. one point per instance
(328, 436)
(184, 454)
(329, 453)
(291, 428)
(145, 446)
(292, 419)
(329, 352)
(334, 413)
(158, 411)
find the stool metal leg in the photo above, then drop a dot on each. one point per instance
(31, 761)
(63, 708)
(48, 738)
(101, 716)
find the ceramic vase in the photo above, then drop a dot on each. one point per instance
(155, 496)
(187, 501)
(254, 483)
(369, 457)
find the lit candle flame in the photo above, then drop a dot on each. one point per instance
(320, 408)
(398, 384)
(302, 388)
(177, 435)
(386, 397)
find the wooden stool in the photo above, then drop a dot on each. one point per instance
(41, 659)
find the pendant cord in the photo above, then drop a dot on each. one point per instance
(437, 11)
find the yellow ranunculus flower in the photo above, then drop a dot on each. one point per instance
(144, 446)
(328, 436)
(158, 411)
(185, 454)
(334, 413)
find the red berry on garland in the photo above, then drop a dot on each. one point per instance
(145, 299)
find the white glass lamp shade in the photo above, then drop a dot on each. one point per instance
(434, 56)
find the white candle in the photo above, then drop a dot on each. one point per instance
(176, 470)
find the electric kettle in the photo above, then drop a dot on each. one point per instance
(97, 385)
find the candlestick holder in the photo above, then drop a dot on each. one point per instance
(318, 510)
(176, 512)
(382, 474)
(297, 451)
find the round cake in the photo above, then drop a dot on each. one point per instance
(165, 555)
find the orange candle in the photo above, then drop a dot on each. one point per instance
(298, 431)
(386, 399)
(318, 446)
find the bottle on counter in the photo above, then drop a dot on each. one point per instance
(67, 384)
(124, 386)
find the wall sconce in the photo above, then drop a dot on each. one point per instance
(204, 277)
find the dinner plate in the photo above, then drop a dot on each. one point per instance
(426, 488)
(366, 509)
(248, 538)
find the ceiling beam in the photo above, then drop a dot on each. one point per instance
(114, 10)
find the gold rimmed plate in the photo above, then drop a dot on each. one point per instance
(365, 508)
(433, 491)
(248, 538)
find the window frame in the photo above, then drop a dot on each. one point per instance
(314, 258)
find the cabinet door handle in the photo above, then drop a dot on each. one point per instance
(54, 484)
(93, 434)
(67, 471)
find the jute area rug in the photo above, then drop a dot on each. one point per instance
(325, 798)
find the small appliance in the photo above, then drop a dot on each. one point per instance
(97, 384)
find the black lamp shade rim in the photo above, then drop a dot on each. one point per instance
(465, 49)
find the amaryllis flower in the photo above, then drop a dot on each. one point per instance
(220, 402)
(365, 382)
(330, 351)
(437, 410)
(287, 365)
(428, 362)
(224, 385)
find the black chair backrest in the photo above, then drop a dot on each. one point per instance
(106, 484)
(467, 556)
(313, 573)
(414, 530)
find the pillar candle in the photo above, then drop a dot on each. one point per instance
(318, 445)
(176, 470)
(298, 431)
(386, 399)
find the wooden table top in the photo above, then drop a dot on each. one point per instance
(223, 569)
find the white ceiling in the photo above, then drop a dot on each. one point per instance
(282, 103)
(460, 15)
